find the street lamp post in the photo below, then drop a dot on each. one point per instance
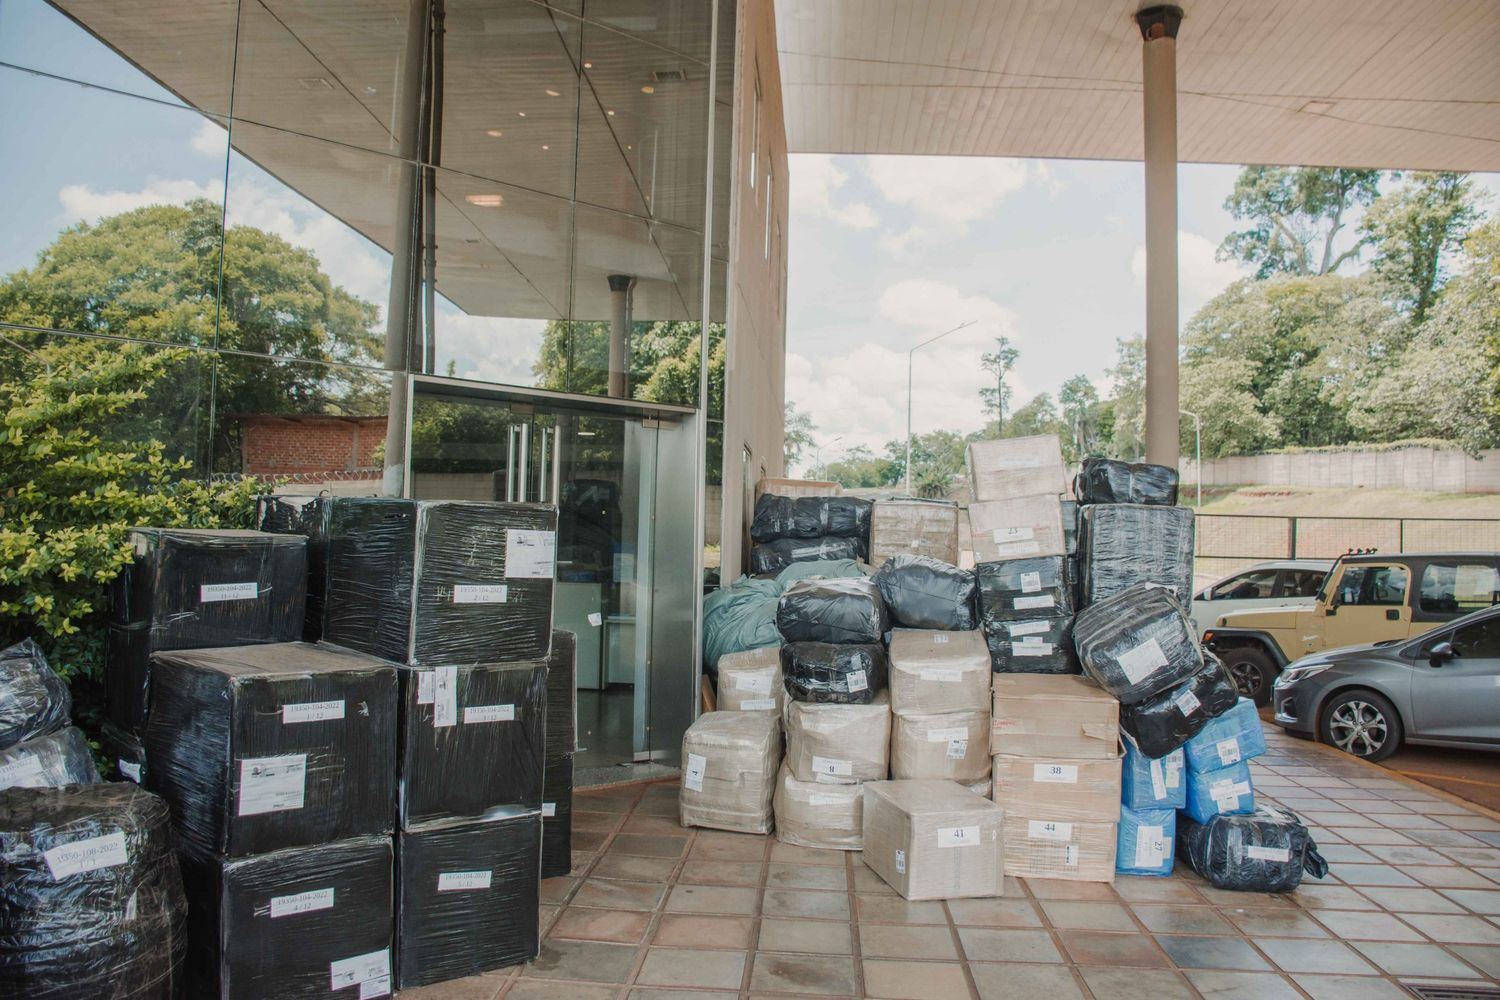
(909, 356)
(1197, 453)
(818, 455)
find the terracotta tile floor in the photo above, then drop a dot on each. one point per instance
(655, 912)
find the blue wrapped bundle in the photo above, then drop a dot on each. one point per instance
(1152, 782)
(1146, 840)
(1227, 739)
(1225, 792)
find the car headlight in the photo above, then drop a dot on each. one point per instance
(1298, 672)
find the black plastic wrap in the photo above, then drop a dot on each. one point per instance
(258, 748)
(921, 592)
(51, 761)
(557, 766)
(839, 673)
(1268, 850)
(1036, 646)
(1137, 643)
(306, 516)
(432, 583)
(847, 610)
(193, 589)
(1166, 721)
(775, 556)
(34, 701)
(303, 923)
(1104, 480)
(810, 517)
(125, 751)
(1023, 590)
(91, 904)
(1070, 526)
(467, 897)
(1121, 545)
(472, 739)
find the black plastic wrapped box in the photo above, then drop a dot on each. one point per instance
(91, 904)
(299, 923)
(467, 897)
(258, 748)
(810, 517)
(34, 701)
(195, 589)
(1166, 721)
(1268, 850)
(125, 751)
(51, 761)
(1070, 527)
(1104, 480)
(926, 593)
(1137, 643)
(557, 767)
(472, 739)
(1035, 646)
(775, 556)
(1023, 590)
(291, 514)
(846, 610)
(1121, 545)
(839, 673)
(433, 583)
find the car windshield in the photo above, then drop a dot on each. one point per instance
(1333, 573)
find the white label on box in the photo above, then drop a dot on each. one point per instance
(380, 986)
(1005, 535)
(445, 697)
(425, 687)
(942, 675)
(1031, 649)
(549, 810)
(1070, 855)
(24, 772)
(530, 552)
(833, 767)
(302, 902)
(759, 681)
(1031, 583)
(348, 972)
(858, 681)
(1150, 846)
(758, 705)
(463, 881)
(958, 749)
(900, 861)
(489, 713)
(817, 799)
(692, 775)
(272, 784)
(1033, 603)
(312, 711)
(1158, 781)
(1174, 772)
(1140, 662)
(1008, 549)
(939, 638)
(1229, 750)
(958, 836)
(1187, 703)
(1012, 463)
(596, 619)
(86, 855)
(1018, 629)
(130, 769)
(1226, 794)
(1269, 853)
(947, 735)
(209, 593)
(1046, 829)
(480, 593)
(1063, 774)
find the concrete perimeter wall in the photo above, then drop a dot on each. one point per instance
(1423, 469)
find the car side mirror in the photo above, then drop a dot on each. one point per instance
(1441, 654)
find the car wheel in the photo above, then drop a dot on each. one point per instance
(1252, 671)
(1362, 723)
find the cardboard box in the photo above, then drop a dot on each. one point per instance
(916, 527)
(1054, 715)
(933, 672)
(1064, 788)
(729, 765)
(1017, 529)
(953, 745)
(1040, 846)
(811, 814)
(933, 839)
(838, 744)
(751, 681)
(798, 488)
(1017, 467)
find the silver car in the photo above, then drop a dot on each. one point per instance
(1264, 585)
(1439, 689)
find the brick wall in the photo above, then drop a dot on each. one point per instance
(282, 446)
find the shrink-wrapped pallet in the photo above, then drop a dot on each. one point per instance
(774, 556)
(847, 610)
(51, 761)
(1122, 545)
(809, 517)
(1062, 716)
(1018, 528)
(914, 527)
(1008, 468)
(125, 750)
(1137, 643)
(308, 516)
(34, 700)
(1035, 646)
(933, 839)
(837, 673)
(751, 681)
(838, 744)
(1104, 480)
(729, 764)
(561, 744)
(1266, 851)
(818, 815)
(921, 592)
(1023, 589)
(951, 745)
(1167, 720)
(935, 671)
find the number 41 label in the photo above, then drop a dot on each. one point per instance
(958, 836)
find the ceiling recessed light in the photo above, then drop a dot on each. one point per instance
(546, 147)
(629, 147)
(485, 200)
(610, 112)
(369, 90)
(648, 89)
(520, 114)
(588, 65)
(551, 93)
(494, 133)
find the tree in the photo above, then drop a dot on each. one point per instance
(1079, 402)
(998, 363)
(1218, 390)
(861, 469)
(1295, 215)
(937, 457)
(1128, 402)
(1038, 416)
(574, 357)
(797, 436)
(1413, 229)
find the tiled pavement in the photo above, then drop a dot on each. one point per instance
(656, 912)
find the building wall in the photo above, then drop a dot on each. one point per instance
(755, 364)
(279, 446)
(1423, 469)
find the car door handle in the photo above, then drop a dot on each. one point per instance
(1392, 615)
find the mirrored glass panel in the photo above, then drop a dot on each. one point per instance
(680, 28)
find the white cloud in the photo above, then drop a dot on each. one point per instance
(210, 139)
(946, 194)
(488, 348)
(81, 203)
(816, 181)
(1199, 276)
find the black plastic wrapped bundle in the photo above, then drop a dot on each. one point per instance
(921, 592)
(194, 589)
(1104, 480)
(847, 610)
(51, 761)
(467, 896)
(1023, 589)
(839, 673)
(432, 583)
(472, 739)
(125, 751)
(308, 517)
(258, 748)
(1121, 545)
(1265, 851)
(301, 923)
(1165, 721)
(557, 767)
(1137, 643)
(34, 701)
(1038, 646)
(775, 556)
(1070, 526)
(810, 517)
(91, 904)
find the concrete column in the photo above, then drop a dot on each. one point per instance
(619, 333)
(1159, 99)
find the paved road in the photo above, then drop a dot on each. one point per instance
(1469, 774)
